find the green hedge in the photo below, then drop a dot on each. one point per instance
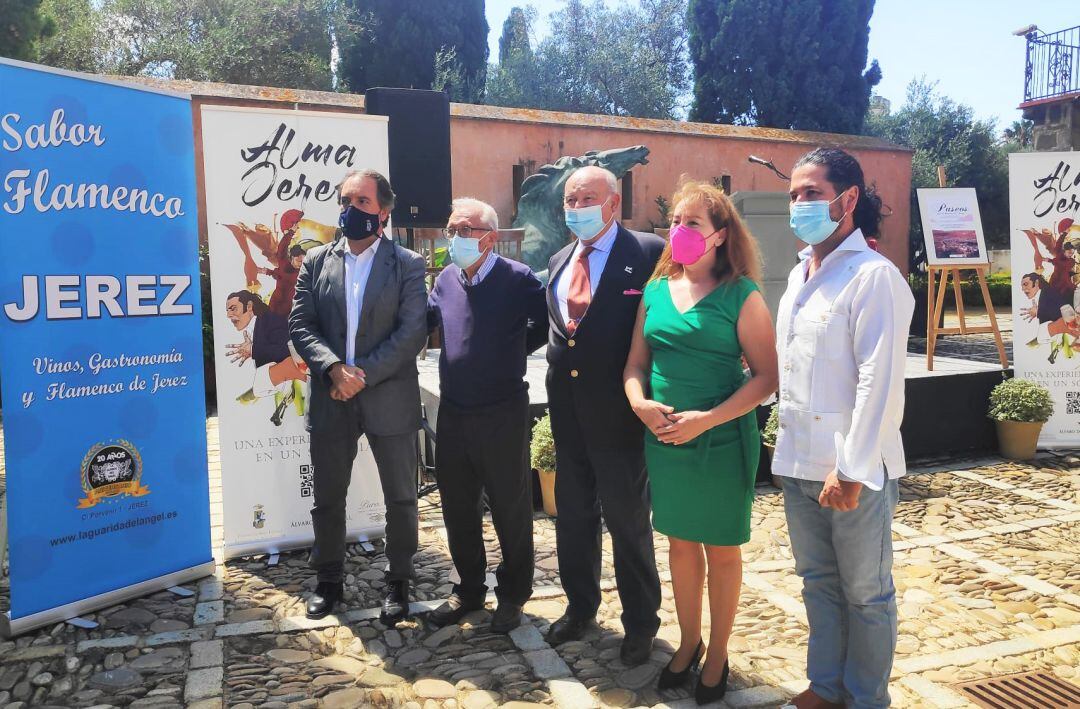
(999, 285)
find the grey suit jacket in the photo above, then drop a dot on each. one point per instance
(392, 330)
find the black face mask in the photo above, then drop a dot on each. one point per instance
(357, 224)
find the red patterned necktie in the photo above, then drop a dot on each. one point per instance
(580, 293)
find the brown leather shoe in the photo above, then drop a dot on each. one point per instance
(809, 700)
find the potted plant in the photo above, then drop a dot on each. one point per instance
(1019, 408)
(768, 437)
(542, 450)
(768, 434)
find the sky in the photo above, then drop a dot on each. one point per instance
(967, 46)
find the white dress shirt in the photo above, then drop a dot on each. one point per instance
(842, 343)
(357, 271)
(485, 268)
(597, 260)
(1041, 329)
(260, 383)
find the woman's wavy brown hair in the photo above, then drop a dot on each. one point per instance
(738, 256)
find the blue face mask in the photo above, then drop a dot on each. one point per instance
(464, 252)
(811, 221)
(586, 222)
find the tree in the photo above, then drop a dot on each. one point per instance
(410, 41)
(514, 40)
(21, 26)
(942, 132)
(782, 63)
(264, 42)
(1020, 133)
(626, 61)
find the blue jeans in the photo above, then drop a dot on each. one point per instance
(845, 562)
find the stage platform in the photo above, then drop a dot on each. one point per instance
(945, 413)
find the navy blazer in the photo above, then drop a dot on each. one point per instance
(585, 371)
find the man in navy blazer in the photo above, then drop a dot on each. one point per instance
(593, 295)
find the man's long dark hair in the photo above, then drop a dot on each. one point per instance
(258, 307)
(843, 171)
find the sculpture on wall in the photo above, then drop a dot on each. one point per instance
(540, 208)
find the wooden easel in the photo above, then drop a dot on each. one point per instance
(935, 302)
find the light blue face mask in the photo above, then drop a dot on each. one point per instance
(811, 221)
(464, 252)
(586, 222)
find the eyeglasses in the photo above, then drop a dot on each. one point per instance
(465, 232)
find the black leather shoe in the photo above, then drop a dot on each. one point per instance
(670, 679)
(568, 628)
(507, 617)
(395, 605)
(704, 694)
(635, 649)
(326, 596)
(452, 611)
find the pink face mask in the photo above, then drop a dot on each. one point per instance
(687, 244)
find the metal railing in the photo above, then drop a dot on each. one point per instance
(1053, 64)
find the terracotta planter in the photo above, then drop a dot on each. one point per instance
(547, 490)
(1017, 440)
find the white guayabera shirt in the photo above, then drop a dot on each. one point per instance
(842, 344)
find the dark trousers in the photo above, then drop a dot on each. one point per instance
(333, 450)
(482, 451)
(602, 475)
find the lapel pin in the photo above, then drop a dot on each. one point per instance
(629, 269)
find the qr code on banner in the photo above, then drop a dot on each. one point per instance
(1072, 403)
(307, 484)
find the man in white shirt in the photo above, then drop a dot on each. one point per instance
(842, 332)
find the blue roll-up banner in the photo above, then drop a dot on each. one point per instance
(100, 344)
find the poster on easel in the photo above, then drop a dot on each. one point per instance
(952, 228)
(270, 178)
(1044, 218)
(104, 413)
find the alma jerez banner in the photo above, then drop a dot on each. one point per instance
(271, 180)
(1044, 212)
(100, 344)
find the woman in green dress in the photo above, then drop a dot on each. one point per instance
(702, 313)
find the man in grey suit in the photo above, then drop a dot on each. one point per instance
(359, 320)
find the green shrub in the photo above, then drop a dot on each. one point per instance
(768, 434)
(1020, 400)
(542, 448)
(999, 285)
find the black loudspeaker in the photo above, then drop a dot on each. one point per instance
(419, 135)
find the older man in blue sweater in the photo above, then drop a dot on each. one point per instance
(493, 314)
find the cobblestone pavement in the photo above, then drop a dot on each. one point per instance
(979, 348)
(987, 576)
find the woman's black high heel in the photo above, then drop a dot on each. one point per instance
(704, 694)
(669, 679)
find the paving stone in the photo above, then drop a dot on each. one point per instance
(570, 694)
(378, 677)
(209, 612)
(442, 635)
(344, 699)
(341, 663)
(412, 657)
(434, 689)
(638, 677)
(207, 653)
(527, 637)
(290, 657)
(164, 659)
(134, 618)
(480, 699)
(203, 684)
(115, 680)
(547, 664)
(249, 614)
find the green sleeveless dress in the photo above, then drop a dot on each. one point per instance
(702, 491)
